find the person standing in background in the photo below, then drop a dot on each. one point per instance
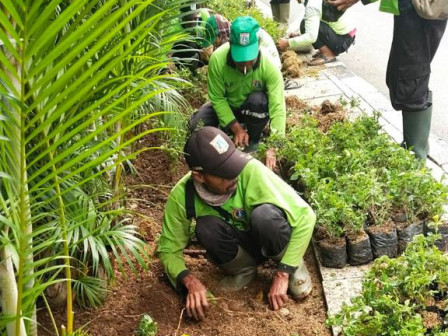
(415, 42)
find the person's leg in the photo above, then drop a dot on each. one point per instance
(330, 44)
(186, 54)
(254, 113)
(270, 228)
(224, 248)
(275, 8)
(414, 45)
(205, 116)
(284, 11)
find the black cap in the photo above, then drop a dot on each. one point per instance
(211, 151)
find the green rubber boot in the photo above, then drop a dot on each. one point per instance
(242, 270)
(416, 128)
(275, 8)
(284, 9)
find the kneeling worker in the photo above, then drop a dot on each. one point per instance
(244, 215)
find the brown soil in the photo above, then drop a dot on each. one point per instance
(431, 320)
(148, 292)
(294, 71)
(386, 227)
(334, 242)
(292, 64)
(357, 237)
(294, 103)
(329, 113)
(288, 54)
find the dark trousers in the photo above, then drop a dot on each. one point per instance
(186, 54)
(268, 235)
(254, 113)
(415, 42)
(328, 37)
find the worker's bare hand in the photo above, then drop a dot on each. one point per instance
(282, 44)
(197, 304)
(277, 294)
(271, 158)
(342, 4)
(240, 136)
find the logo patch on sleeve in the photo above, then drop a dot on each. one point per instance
(257, 84)
(239, 214)
(220, 144)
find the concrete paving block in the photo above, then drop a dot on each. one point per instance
(348, 272)
(445, 168)
(359, 85)
(339, 292)
(315, 89)
(339, 71)
(391, 130)
(378, 101)
(438, 150)
(436, 171)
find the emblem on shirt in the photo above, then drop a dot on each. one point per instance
(220, 144)
(244, 39)
(257, 84)
(239, 214)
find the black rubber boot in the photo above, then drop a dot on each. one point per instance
(242, 270)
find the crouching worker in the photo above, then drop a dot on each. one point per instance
(244, 215)
(246, 90)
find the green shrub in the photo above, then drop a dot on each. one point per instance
(147, 326)
(397, 293)
(231, 9)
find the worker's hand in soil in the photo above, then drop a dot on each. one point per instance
(277, 294)
(197, 304)
(282, 44)
(342, 4)
(271, 158)
(240, 136)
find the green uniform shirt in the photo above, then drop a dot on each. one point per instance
(228, 88)
(257, 184)
(388, 6)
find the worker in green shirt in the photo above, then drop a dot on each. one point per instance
(245, 88)
(217, 32)
(191, 21)
(244, 215)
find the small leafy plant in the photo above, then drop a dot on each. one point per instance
(147, 326)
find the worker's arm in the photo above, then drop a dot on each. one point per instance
(344, 4)
(313, 13)
(217, 91)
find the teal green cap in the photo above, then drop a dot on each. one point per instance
(211, 32)
(244, 39)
